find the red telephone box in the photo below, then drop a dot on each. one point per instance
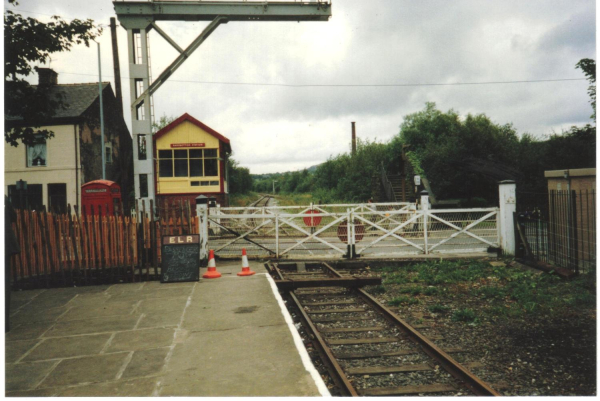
(100, 194)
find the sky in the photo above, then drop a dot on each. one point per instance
(365, 43)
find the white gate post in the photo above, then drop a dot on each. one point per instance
(202, 213)
(349, 235)
(425, 208)
(508, 207)
(277, 234)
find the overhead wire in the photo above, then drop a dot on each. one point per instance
(354, 85)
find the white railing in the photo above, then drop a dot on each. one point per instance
(346, 230)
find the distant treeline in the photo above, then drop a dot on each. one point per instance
(463, 158)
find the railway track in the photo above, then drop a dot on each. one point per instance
(263, 201)
(369, 350)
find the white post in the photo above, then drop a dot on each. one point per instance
(277, 234)
(202, 213)
(349, 237)
(508, 207)
(353, 232)
(425, 208)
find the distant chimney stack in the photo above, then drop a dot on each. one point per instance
(47, 77)
(353, 138)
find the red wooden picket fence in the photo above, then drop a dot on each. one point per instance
(73, 248)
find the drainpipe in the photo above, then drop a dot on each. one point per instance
(77, 183)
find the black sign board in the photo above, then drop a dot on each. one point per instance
(180, 258)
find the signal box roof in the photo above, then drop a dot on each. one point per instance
(199, 124)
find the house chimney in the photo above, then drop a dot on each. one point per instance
(353, 138)
(47, 76)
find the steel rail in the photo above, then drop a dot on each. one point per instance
(335, 370)
(450, 365)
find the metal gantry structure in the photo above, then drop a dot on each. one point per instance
(140, 17)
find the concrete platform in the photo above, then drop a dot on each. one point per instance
(223, 337)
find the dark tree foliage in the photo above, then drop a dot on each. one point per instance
(588, 66)
(462, 158)
(27, 41)
(240, 181)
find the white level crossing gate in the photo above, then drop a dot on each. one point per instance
(345, 231)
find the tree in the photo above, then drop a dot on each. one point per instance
(588, 66)
(162, 123)
(461, 157)
(240, 181)
(26, 41)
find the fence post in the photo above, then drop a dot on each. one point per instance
(425, 208)
(508, 206)
(202, 213)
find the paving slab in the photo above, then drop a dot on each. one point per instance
(14, 350)
(121, 388)
(89, 300)
(89, 326)
(91, 369)
(27, 331)
(235, 363)
(44, 392)
(146, 362)
(85, 312)
(141, 339)
(159, 320)
(68, 347)
(25, 376)
(224, 337)
(37, 315)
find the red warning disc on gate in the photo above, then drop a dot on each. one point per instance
(342, 231)
(311, 221)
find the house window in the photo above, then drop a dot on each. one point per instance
(141, 142)
(108, 152)
(37, 153)
(143, 185)
(188, 163)
(31, 198)
(57, 197)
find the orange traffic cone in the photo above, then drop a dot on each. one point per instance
(245, 265)
(212, 267)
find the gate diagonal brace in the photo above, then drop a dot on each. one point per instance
(391, 232)
(242, 236)
(462, 230)
(311, 236)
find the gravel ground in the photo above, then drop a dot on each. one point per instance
(549, 354)
(541, 354)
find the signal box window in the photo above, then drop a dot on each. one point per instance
(188, 163)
